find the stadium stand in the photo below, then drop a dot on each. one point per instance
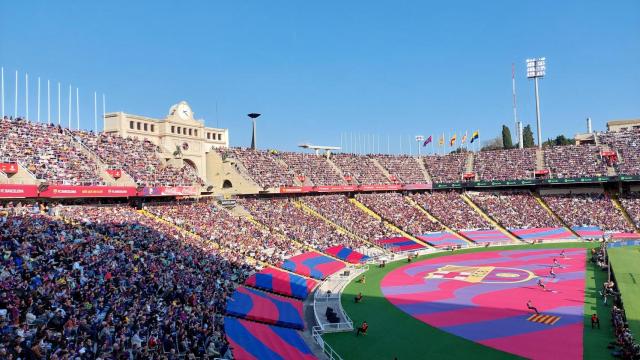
(361, 169)
(505, 164)
(514, 210)
(138, 158)
(627, 145)
(267, 308)
(281, 282)
(444, 168)
(261, 166)
(451, 210)
(588, 210)
(404, 168)
(48, 152)
(631, 203)
(574, 161)
(312, 264)
(313, 167)
(394, 208)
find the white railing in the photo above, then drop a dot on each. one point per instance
(317, 332)
(329, 293)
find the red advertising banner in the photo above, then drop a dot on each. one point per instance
(417, 186)
(379, 187)
(335, 188)
(18, 191)
(169, 191)
(116, 174)
(295, 189)
(9, 168)
(68, 191)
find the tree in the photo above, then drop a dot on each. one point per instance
(560, 140)
(507, 143)
(492, 144)
(527, 137)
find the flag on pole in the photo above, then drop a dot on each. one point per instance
(428, 141)
(464, 138)
(441, 142)
(452, 141)
(475, 135)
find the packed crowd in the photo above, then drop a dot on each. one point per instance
(261, 166)
(574, 161)
(588, 210)
(446, 168)
(505, 164)
(626, 347)
(395, 209)
(313, 167)
(341, 211)
(213, 223)
(360, 168)
(138, 158)
(48, 152)
(627, 144)
(514, 210)
(631, 203)
(451, 210)
(109, 283)
(406, 169)
(283, 216)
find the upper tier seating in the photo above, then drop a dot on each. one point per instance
(405, 168)
(574, 161)
(361, 168)
(505, 164)
(446, 168)
(394, 208)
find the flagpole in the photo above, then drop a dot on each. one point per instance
(2, 75)
(15, 105)
(69, 107)
(104, 111)
(59, 113)
(95, 114)
(48, 101)
(388, 144)
(26, 96)
(38, 100)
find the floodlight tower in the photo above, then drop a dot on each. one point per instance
(419, 139)
(253, 117)
(536, 68)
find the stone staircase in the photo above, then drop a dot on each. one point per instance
(470, 162)
(435, 219)
(540, 164)
(381, 168)
(552, 213)
(423, 168)
(616, 202)
(488, 218)
(124, 180)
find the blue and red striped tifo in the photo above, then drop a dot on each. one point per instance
(313, 264)
(549, 233)
(588, 232)
(487, 236)
(443, 239)
(248, 303)
(346, 254)
(399, 244)
(251, 340)
(282, 282)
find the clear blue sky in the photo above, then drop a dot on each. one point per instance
(319, 69)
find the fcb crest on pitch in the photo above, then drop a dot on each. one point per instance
(481, 274)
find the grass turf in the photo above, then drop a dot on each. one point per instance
(395, 334)
(625, 263)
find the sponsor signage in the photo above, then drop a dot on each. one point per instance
(417, 186)
(116, 174)
(594, 179)
(379, 187)
(336, 188)
(169, 191)
(450, 185)
(9, 168)
(68, 191)
(630, 177)
(18, 191)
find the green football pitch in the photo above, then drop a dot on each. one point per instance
(394, 334)
(625, 262)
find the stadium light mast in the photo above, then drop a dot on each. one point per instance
(536, 68)
(253, 117)
(419, 139)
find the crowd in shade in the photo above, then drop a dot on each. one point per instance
(47, 151)
(261, 166)
(394, 208)
(588, 210)
(451, 210)
(229, 231)
(314, 169)
(627, 144)
(505, 164)
(360, 168)
(342, 212)
(406, 169)
(109, 283)
(631, 203)
(514, 210)
(574, 161)
(283, 216)
(138, 158)
(446, 168)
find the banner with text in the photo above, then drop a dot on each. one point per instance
(18, 191)
(9, 168)
(169, 191)
(68, 191)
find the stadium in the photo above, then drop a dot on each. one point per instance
(136, 236)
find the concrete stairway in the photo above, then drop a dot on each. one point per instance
(552, 213)
(616, 202)
(488, 218)
(389, 225)
(470, 162)
(540, 164)
(433, 218)
(423, 168)
(381, 168)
